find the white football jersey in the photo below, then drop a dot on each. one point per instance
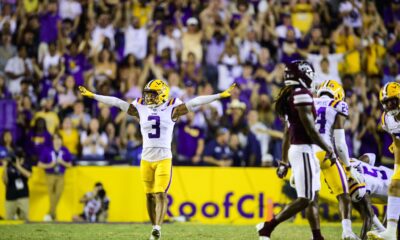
(390, 125)
(377, 178)
(156, 126)
(327, 109)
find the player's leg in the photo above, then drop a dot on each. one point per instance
(304, 172)
(367, 214)
(163, 175)
(313, 218)
(147, 174)
(336, 178)
(162, 181)
(393, 210)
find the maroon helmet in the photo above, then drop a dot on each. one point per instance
(299, 72)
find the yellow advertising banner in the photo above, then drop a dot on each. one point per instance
(201, 194)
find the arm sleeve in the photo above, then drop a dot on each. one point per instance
(113, 101)
(341, 146)
(201, 100)
(341, 107)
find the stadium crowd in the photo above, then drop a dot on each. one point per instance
(48, 48)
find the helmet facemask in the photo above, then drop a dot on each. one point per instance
(391, 106)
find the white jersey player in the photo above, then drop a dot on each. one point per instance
(389, 97)
(376, 178)
(157, 116)
(375, 184)
(332, 112)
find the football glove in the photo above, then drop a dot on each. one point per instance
(227, 92)
(356, 175)
(85, 92)
(282, 169)
(330, 157)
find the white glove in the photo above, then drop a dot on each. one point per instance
(356, 175)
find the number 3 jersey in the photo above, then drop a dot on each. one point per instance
(156, 126)
(377, 178)
(327, 109)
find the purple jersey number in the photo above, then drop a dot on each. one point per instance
(321, 119)
(374, 172)
(155, 126)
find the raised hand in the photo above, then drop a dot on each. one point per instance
(85, 92)
(227, 92)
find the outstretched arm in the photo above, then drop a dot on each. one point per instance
(112, 101)
(198, 101)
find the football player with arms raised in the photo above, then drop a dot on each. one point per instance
(389, 97)
(296, 105)
(157, 115)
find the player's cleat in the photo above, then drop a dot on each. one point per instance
(48, 218)
(385, 235)
(264, 230)
(348, 235)
(155, 234)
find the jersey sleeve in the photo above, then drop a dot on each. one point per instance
(302, 97)
(173, 102)
(341, 107)
(137, 101)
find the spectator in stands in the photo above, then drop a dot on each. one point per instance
(80, 119)
(96, 205)
(191, 39)
(105, 68)
(7, 50)
(39, 139)
(93, 142)
(229, 66)
(4, 93)
(18, 68)
(190, 143)
(111, 151)
(76, 63)
(217, 152)
(70, 137)
(55, 161)
(15, 177)
(135, 37)
(49, 114)
(264, 136)
(67, 96)
(237, 151)
(131, 140)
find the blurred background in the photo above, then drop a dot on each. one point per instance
(48, 48)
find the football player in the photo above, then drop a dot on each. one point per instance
(375, 186)
(157, 115)
(389, 97)
(332, 112)
(295, 104)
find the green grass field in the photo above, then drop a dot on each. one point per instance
(176, 231)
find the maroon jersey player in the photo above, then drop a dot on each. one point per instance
(295, 104)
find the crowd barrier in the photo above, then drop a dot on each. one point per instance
(201, 194)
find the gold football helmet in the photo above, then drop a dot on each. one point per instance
(156, 92)
(389, 97)
(332, 87)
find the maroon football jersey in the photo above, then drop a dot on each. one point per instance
(297, 132)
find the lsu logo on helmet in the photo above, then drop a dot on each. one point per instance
(333, 88)
(389, 96)
(156, 92)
